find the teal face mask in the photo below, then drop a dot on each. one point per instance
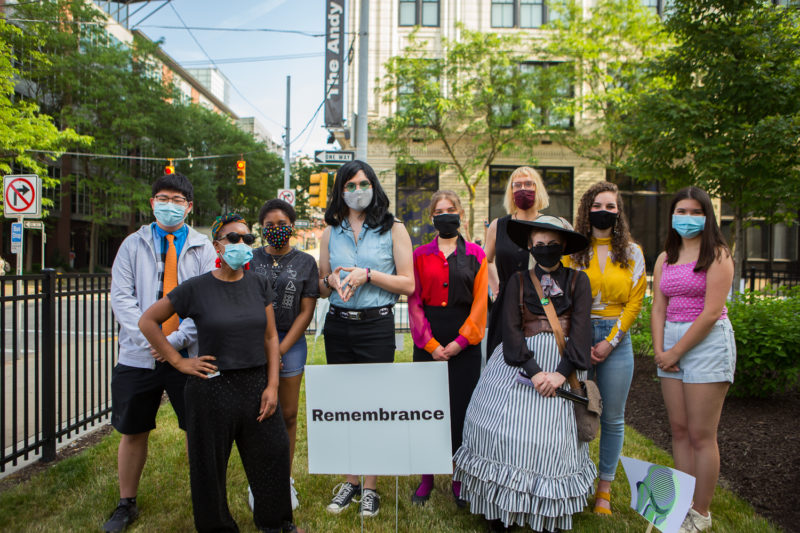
(688, 226)
(169, 214)
(237, 255)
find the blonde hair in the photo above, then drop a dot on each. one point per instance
(444, 194)
(542, 200)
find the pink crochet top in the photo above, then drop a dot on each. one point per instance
(685, 290)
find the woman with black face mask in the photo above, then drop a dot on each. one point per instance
(521, 462)
(447, 314)
(616, 270)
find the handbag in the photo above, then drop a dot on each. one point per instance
(587, 402)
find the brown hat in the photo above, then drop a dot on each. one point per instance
(520, 230)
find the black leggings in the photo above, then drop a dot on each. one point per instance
(219, 412)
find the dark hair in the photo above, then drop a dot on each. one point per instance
(712, 243)
(221, 220)
(174, 182)
(377, 213)
(277, 205)
(620, 234)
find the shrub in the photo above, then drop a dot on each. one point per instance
(767, 332)
(641, 338)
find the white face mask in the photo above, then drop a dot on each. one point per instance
(358, 200)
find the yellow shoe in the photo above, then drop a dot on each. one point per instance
(602, 496)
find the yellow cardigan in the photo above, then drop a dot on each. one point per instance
(617, 290)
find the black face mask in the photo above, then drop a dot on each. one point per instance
(602, 219)
(547, 255)
(447, 225)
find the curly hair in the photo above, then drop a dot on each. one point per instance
(620, 233)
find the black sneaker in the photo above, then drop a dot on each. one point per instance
(344, 494)
(370, 503)
(123, 516)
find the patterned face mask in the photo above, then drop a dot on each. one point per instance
(277, 236)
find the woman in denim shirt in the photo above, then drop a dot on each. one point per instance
(365, 263)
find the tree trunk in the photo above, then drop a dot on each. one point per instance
(93, 233)
(738, 248)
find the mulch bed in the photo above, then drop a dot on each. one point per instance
(759, 444)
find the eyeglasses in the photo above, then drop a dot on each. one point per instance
(234, 238)
(164, 199)
(517, 185)
(352, 186)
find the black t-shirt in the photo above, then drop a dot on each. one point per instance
(230, 317)
(294, 276)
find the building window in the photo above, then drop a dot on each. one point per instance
(521, 13)
(419, 13)
(557, 182)
(414, 93)
(660, 7)
(415, 186)
(554, 83)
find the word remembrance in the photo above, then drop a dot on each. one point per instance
(381, 415)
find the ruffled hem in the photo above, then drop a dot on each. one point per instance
(518, 496)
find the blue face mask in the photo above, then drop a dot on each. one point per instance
(169, 214)
(237, 255)
(688, 226)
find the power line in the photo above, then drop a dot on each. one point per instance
(198, 62)
(200, 46)
(261, 30)
(138, 157)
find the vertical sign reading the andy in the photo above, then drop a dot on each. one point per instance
(662, 495)
(334, 62)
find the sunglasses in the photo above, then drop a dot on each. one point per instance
(363, 185)
(234, 238)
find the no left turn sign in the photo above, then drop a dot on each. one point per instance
(22, 196)
(287, 195)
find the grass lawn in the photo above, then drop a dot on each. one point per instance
(79, 493)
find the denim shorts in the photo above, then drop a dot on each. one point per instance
(712, 360)
(294, 361)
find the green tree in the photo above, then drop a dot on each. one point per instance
(473, 100)
(22, 126)
(727, 118)
(606, 51)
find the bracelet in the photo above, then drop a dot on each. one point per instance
(369, 276)
(325, 282)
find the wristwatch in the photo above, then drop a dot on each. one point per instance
(325, 282)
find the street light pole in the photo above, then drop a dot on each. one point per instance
(363, 81)
(287, 148)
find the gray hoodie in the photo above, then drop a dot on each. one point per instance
(134, 285)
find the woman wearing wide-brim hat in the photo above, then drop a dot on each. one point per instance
(521, 462)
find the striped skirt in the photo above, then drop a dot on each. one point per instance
(521, 461)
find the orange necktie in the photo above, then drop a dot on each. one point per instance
(170, 281)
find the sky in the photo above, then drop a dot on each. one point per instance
(262, 83)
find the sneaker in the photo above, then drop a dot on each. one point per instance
(123, 516)
(695, 522)
(344, 494)
(293, 494)
(370, 503)
(250, 500)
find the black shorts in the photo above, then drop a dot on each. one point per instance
(359, 341)
(136, 395)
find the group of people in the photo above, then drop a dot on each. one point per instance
(220, 327)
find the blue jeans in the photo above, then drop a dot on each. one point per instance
(613, 378)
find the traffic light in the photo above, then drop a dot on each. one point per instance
(170, 168)
(318, 191)
(241, 167)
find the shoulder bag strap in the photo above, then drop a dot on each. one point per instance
(550, 311)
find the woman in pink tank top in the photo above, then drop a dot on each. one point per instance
(693, 341)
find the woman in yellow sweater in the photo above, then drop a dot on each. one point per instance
(616, 269)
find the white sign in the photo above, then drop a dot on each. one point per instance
(16, 238)
(660, 494)
(22, 196)
(333, 158)
(381, 419)
(287, 195)
(33, 224)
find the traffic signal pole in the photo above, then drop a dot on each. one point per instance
(363, 80)
(287, 151)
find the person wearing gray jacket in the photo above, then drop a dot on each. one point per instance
(138, 279)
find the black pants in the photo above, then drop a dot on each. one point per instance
(219, 412)
(463, 370)
(359, 341)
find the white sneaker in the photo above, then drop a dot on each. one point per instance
(293, 493)
(250, 501)
(695, 522)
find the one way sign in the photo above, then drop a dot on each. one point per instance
(22, 196)
(325, 157)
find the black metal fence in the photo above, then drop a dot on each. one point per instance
(759, 278)
(59, 344)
